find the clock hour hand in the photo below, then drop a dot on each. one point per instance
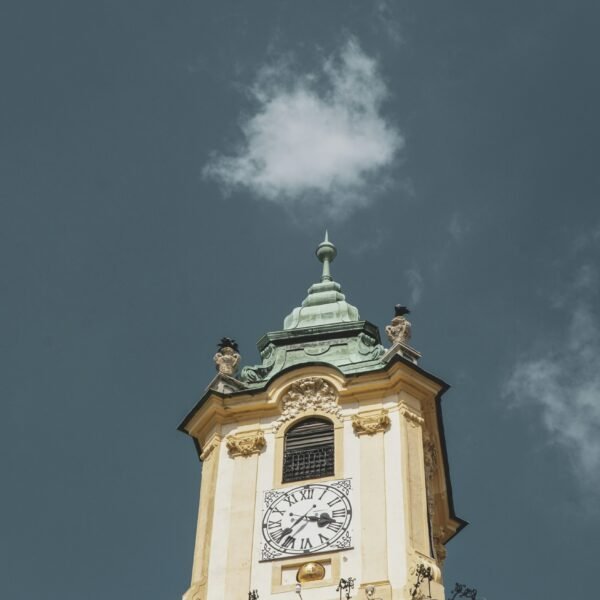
(322, 519)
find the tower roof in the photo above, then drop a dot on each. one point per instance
(325, 302)
(324, 328)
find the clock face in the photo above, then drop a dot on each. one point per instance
(309, 518)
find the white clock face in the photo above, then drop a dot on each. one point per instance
(309, 518)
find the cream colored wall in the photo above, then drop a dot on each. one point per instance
(262, 572)
(394, 492)
(217, 567)
(351, 563)
(347, 563)
(390, 513)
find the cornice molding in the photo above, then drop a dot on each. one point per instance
(246, 443)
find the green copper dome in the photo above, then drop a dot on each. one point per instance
(325, 329)
(325, 302)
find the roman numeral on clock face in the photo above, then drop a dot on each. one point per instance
(274, 525)
(334, 501)
(323, 539)
(334, 526)
(339, 513)
(277, 535)
(290, 499)
(289, 542)
(305, 544)
(306, 494)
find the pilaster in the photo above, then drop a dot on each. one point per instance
(370, 428)
(210, 467)
(244, 449)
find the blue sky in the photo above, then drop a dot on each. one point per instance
(166, 171)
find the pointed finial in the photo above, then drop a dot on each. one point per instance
(326, 252)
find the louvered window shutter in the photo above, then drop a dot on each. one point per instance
(308, 450)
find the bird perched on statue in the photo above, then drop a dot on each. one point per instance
(228, 343)
(400, 310)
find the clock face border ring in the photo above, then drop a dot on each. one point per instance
(327, 501)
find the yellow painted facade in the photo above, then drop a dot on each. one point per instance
(401, 402)
(389, 464)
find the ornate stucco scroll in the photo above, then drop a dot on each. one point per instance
(306, 395)
(438, 546)
(207, 450)
(430, 455)
(412, 417)
(430, 460)
(245, 443)
(371, 423)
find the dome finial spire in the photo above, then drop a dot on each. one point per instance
(325, 303)
(326, 252)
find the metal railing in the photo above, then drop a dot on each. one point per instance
(308, 463)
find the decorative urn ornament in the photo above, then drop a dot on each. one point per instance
(399, 330)
(227, 357)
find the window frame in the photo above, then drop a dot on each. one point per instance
(338, 449)
(302, 446)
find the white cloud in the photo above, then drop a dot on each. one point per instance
(415, 285)
(387, 21)
(563, 382)
(457, 227)
(314, 138)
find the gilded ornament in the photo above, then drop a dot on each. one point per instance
(371, 424)
(310, 571)
(246, 443)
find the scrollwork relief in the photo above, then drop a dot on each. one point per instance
(246, 443)
(368, 346)
(412, 417)
(370, 424)
(209, 447)
(260, 372)
(430, 459)
(438, 546)
(306, 395)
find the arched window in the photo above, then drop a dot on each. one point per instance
(308, 450)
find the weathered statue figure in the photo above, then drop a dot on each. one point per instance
(398, 331)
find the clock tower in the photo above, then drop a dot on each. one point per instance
(324, 467)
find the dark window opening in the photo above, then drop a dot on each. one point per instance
(308, 450)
